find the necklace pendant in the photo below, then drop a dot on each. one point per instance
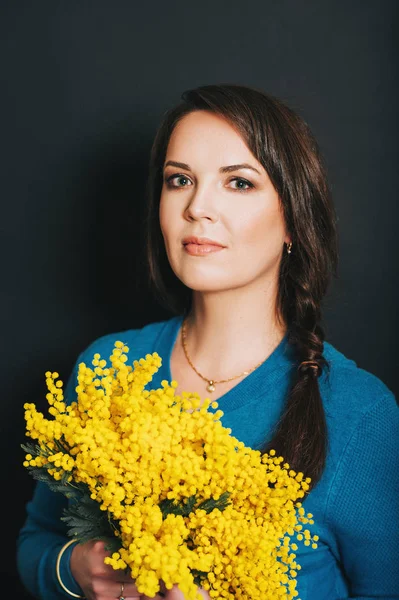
(210, 387)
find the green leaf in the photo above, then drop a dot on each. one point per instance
(211, 504)
(87, 521)
(68, 489)
(187, 506)
(31, 448)
(183, 508)
(61, 445)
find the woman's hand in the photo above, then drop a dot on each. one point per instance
(176, 594)
(101, 582)
(97, 580)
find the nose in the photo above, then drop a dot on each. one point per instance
(201, 206)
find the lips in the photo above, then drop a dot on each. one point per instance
(200, 246)
(201, 241)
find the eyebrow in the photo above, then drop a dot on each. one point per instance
(227, 169)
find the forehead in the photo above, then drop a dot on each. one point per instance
(206, 137)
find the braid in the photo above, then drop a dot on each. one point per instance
(301, 433)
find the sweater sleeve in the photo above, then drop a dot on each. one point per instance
(43, 534)
(363, 504)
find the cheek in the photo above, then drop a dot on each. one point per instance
(264, 228)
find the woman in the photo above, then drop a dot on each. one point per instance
(241, 247)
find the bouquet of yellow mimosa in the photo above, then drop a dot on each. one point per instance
(177, 498)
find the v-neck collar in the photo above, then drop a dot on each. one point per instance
(248, 389)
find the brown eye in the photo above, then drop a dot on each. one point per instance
(241, 181)
(178, 177)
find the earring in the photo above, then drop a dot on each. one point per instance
(289, 248)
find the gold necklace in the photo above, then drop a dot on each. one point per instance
(211, 382)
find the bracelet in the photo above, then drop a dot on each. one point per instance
(57, 570)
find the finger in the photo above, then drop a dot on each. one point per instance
(125, 590)
(159, 596)
(176, 594)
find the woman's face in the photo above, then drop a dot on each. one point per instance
(211, 196)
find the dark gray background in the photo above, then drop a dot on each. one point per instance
(84, 86)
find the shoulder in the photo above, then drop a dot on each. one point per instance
(363, 424)
(350, 393)
(362, 416)
(140, 341)
(345, 371)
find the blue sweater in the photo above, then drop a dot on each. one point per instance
(355, 504)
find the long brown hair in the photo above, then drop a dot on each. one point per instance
(283, 143)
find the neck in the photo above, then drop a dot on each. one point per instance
(232, 331)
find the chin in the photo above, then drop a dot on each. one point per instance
(203, 283)
(197, 284)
